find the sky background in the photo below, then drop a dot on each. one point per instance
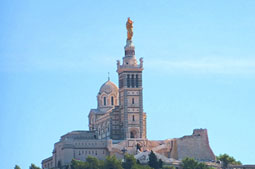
(199, 70)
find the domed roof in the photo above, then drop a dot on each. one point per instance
(108, 87)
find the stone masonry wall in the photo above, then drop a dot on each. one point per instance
(195, 146)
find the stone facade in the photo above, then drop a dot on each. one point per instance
(81, 144)
(118, 125)
(119, 114)
(131, 94)
(194, 146)
(77, 145)
(99, 119)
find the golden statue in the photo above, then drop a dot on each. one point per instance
(129, 26)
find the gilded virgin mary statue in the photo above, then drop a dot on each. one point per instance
(129, 26)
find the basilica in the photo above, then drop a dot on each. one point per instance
(118, 124)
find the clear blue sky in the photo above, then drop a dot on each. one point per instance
(199, 60)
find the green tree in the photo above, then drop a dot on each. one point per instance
(153, 161)
(145, 167)
(17, 167)
(168, 167)
(111, 162)
(226, 160)
(160, 163)
(202, 166)
(92, 163)
(190, 163)
(129, 161)
(138, 166)
(33, 166)
(76, 164)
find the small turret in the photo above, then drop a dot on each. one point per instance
(199, 132)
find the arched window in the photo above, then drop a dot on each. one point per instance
(133, 100)
(132, 134)
(136, 81)
(112, 100)
(132, 81)
(128, 80)
(120, 83)
(104, 101)
(133, 117)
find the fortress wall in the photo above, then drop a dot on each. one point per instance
(195, 146)
(174, 150)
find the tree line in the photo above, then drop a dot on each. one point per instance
(129, 162)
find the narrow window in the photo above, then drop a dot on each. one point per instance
(121, 83)
(133, 117)
(132, 135)
(132, 81)
(128, 81)
(104, 100)
(112, 100)
(133, 101)
(136, 81)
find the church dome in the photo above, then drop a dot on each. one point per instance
(108, 87)
(108, 96)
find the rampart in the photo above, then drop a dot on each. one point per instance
(195, 146)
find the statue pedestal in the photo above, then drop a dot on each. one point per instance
(129, 44)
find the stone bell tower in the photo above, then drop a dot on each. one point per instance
(131, 91)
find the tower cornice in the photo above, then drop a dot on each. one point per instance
(127, 69)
